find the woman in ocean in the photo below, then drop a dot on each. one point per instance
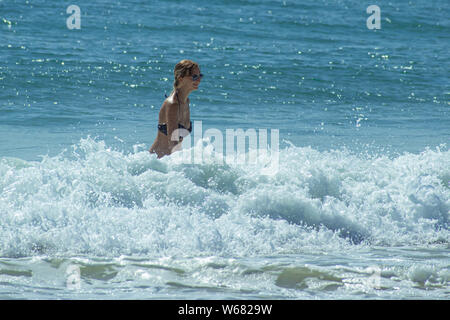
(174, 116)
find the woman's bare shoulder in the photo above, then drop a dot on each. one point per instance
(169, 103)
(169, 109)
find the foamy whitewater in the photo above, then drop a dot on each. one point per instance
(326, 222)
(356, 208)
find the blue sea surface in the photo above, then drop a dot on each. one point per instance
(358, 208)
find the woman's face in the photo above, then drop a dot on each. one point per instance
(196, 83)
(189, 82)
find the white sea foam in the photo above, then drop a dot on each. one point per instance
(99, 201)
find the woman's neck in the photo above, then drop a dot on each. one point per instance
(183, 94)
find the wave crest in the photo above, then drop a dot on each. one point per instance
(103, 201)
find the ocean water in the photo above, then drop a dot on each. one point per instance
(358, 207)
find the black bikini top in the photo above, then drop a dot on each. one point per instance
(163, 126)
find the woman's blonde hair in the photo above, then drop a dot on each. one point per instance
(182, 69)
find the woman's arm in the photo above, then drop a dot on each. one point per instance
(188, 120)
(172, 124)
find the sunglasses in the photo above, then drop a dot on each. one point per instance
(195, 77)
